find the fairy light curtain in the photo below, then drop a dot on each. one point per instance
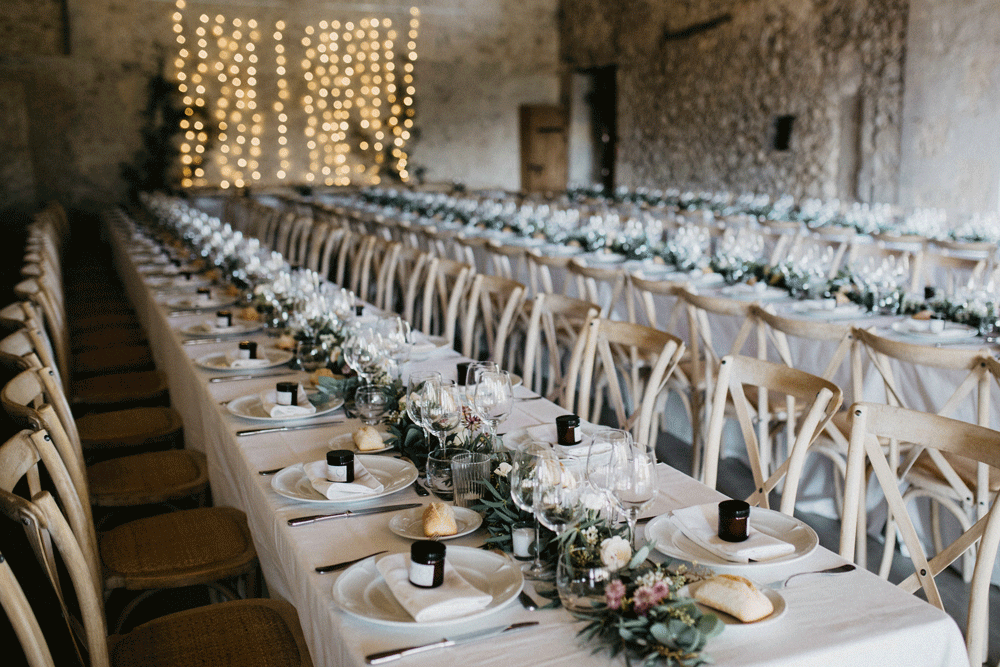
(329, 102)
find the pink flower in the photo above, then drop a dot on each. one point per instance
(644, 600)
(613, 594)
(661, 591)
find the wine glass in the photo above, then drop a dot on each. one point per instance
(633, 479)
(522, 492)
(420, 382)
(558, 497)
(442, 409)
(474, 370)
(599, 456)
(395, 336)
(362, 350)
(492, 400)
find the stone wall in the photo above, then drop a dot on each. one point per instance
(75, 117)
(701, 83)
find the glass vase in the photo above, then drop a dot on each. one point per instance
(581, 588)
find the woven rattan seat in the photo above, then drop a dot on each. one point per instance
(116, 359)
(256, 633)
(130, 427)
(152, 477)
(178, 549)
(121, 390)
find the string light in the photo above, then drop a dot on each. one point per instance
(348, 112)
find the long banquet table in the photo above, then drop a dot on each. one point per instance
(852, 618)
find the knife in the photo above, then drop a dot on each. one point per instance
(388, 656)
(232, 378)
(281, 429)
(324, 569)
(313, 518)
(202, 341)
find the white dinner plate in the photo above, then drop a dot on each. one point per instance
(558, 250)
(410, 523)
(346, 441)
(920, 330)
(820, 310)
(671, 540)
(394, 474)
(209, 329)
(251, 407)
(217, 361)
(745, 292)
(601, 258)
(733, 623)
(188, 302)
(362, 592)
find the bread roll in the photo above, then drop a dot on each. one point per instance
(367, 438)
(735, 596)
(439, 520)
(319, 373)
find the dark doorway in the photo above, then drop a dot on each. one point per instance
(604, 114)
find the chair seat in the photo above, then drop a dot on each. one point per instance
(183, 548)
(107, 337)
(121, 390)
(151, 477)
(248, 633)
(129, 428)
(113, 360)
(965, 468)
(97, 321)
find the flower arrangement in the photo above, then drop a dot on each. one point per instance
(645, 618)
(500, 513)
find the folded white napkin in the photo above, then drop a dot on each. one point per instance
(700, 524)
(452, 599)
(549, 433)
(234, 361)
(364, 482)
(269, 399)
(211, 327)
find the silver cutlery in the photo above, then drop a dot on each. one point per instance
(202, 341)
(234, 378)
(526, 601)
(394, 654)
(839, 569)
(270, 471)
(282, 429)
(325, 569)
(313, 518)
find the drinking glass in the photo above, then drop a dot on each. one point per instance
(371, 402)
(420, 382)
(559, 490)
(633, 479)
(474, 370)
(442, 409)
(362, 350)
(599, 456)
(396, 341)
(439, 475)
(492, 400)
(522, 492)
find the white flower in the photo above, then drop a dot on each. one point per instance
(616, 552)
(503, 469)
(594, 500)
(590, 535)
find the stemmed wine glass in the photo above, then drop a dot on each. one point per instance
(559, 487)
(522, 492)
(362, 350)
(419, 385)
(599, 456)
(633, 479)
(442, 409)
(396, 341)
(492, 400)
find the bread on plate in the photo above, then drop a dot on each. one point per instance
(735, 596)
(439, 520)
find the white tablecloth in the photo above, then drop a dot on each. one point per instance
(854, 619)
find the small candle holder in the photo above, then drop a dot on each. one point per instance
(463, 370)
(340, 466)
(734, 520)
(223, 319)
(205, 294)
(427, 564)
(566, 426)
(248, 349)
(287, 393)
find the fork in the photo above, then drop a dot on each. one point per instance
(839, 569)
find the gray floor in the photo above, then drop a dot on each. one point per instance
(736, 481)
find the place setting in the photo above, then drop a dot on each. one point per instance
(203, 299)
(248, 355)
(223, 324)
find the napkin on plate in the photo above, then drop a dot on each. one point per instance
(269, 399)
(453, 599)
(548, 433)
(364, 482)
(234, 361)
(700, 524)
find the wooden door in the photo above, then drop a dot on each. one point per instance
(544, 148)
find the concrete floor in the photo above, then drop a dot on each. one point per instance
(736, 481)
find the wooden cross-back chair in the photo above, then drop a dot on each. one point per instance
(234, 632)
(815, 398)
(557, 333)
(494, 304)
(444, 292)
(540, 267)
(955, 485)
(311, 250)
(648, 357)
(780, 238)
(946, 438)
(592, 280)
(298, 241)
(329, 254)
(406, 286)
(844, 367)
(949, 272)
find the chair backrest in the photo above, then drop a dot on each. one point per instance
(591, 281)
(408, 283)
(22, 619)
(651, 289)
(508, 260)
(949, 272)
(494, 303)
(630, 347)
(872, 422)
(54, 322)
(820, 399)
(298, 240)
(444, 290)
(561, 323)
(465, 248)
(329, 259)
(316, 242)
(57, 545)
(382, 265)
(540, 270)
